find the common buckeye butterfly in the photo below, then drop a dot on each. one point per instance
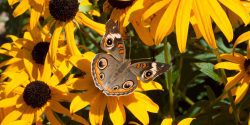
(115, 75)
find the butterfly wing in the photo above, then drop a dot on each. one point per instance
(148, 71)
(111, 76)
(112, 41)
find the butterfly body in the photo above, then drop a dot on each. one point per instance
(113, 73)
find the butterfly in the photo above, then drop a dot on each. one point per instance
(115, 75)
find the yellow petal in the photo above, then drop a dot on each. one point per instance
(83, 62)
(166, 21)
(154, 8)
(54, 42)
(236, 7)
(51, 117)
(152, 85)
(241, 91)
(228, 66)
(19, 122)
(30, 67)
(97, 108)
(34, 17)
(81, 101)
(21, 8)
(143, 33)
(234, 80)
(60, 73)
(69, 29)
(137, 108)
(186, 121)
(57, 107)
(137, 5)
(116, 111)
(85, 83)
(28, 115)
(14, 115)
(84, 20)
(47, 69)
(9, 61)
(182, 23)
(242, 38)
(167, 121)
(147, 102)
(8, 102)
(234, 58)
(204, 21)
(220, 18)
(12, 2)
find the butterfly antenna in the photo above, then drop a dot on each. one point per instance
(129, 47)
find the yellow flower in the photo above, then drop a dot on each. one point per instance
(66, 15)
(35, 96)
(169, 121)
(200, 13)
(137, 103)
(241, 64)
(36, 9)
(29, 52)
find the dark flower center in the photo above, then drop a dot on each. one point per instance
(247, 66)
(36, 94)
(40, 51)
(63, 10)
(120, 4)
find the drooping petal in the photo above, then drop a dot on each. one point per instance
(69, 29)
(228, 66)
(166, 21)
(54, 42)
(34, 17)
(97, 108)
(220, 18)
(241, 91)
(204, 21)
(116, 111)
(84, 20)
(47, 69)
(234, 80)
(236, 7)
(12, 2)
(83, 62)
(182, 23)
(21, 8)
(9, 61)
(51, 117)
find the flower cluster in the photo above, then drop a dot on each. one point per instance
(46, 71)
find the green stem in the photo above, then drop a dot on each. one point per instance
(224, 80)
(169, 83)
(188, 100)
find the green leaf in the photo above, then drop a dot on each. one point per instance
(208, 69)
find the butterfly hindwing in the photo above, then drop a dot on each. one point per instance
(148, 71)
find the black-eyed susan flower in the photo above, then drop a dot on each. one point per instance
(238, 83)
(34, 96)
(66, 17)
(137, 103)
(169, 121)
(29, 52)
(36, 7)
(200, 13)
